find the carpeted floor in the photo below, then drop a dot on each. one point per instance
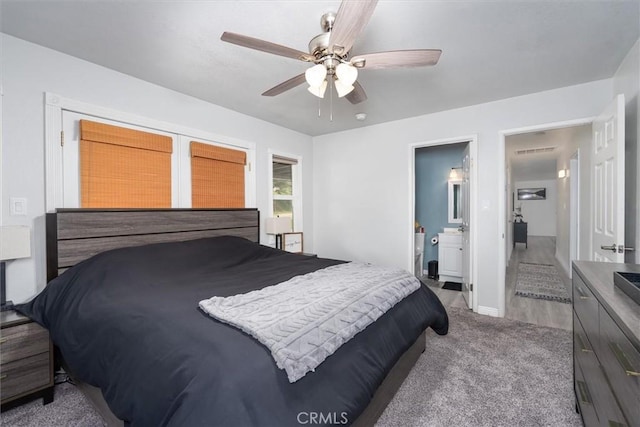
(489, 372)
(485, 372)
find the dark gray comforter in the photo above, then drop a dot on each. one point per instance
(128, 322)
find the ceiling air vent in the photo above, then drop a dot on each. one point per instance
(536, 150)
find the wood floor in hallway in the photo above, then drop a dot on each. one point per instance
(540, 250)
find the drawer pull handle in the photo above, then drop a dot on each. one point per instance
(584, 392)
(3, 340)
(582, 294)
(3, 376)
(616, 424)
(622, 359)
(583, 347)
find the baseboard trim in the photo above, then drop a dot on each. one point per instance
(488, 311)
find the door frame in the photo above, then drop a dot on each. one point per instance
(472, 140)
(574, 208)
(503, 215)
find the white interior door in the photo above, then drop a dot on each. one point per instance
(607, 184)
(465, 199)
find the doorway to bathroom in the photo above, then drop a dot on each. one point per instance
(443, 192)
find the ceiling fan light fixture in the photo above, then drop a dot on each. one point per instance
(347, 73)
(318, 90)
(342, 88)
(316, 75)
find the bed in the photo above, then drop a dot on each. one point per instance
(122, 308)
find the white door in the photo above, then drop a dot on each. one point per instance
(607, 184)
(465, 198)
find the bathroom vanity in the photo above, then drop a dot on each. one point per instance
(450, 257)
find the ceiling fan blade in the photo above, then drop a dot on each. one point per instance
(285, 86)
(398, 58)
(352, 17)
(265, 46)
(357, 95)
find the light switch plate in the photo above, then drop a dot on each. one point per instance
(18, 206)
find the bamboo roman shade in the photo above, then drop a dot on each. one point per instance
(124, 168)
(217, 176)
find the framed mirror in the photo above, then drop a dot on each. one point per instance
(455, 206)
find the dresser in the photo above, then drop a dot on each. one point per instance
(26, 360)
(606, 346)
(450, 257)
(520, 233)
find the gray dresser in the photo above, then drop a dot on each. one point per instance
(606, 346)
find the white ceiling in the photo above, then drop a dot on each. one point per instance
(541, 165)
(491, 50)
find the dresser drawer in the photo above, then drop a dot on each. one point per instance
(586, 305)
(24, 375)
(22, 341)
(593, 391)
(583, 397)
(621, 361)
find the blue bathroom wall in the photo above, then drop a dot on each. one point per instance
(433, 165)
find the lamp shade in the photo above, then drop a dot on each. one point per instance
(342, 88)
(318, 90)
(347, 74)
(278, 225)
(15, 242)
(315, 75)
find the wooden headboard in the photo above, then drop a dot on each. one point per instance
(77, 234)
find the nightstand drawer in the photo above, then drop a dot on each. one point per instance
(22, 341)
(24, 375)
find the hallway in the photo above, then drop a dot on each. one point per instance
(554, 314)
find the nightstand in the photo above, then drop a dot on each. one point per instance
(26, 360)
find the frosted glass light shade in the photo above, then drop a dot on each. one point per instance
(318, 90)
(278, 225)
(15, 242)
(342, 88)
(316, 75)
(347, 74)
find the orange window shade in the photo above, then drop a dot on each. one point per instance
(123, 168)
(217, 176)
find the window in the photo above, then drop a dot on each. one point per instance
(217, 176)
(123, 168)
(285, 194)
(162, 164)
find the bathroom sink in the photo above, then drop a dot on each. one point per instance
(629, 283)
(451, 230)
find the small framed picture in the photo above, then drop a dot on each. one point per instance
(292, 242)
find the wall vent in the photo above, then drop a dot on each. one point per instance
(536, 150)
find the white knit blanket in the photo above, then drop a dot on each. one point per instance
(307, 318)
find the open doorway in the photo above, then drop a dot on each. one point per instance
(542, 238)
(443, 213)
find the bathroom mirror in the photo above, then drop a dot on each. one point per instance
(455, 207)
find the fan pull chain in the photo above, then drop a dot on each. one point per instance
(331, 99)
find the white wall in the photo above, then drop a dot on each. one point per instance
(627, 82)
(361, 204)
(29, 70)
(540, 215)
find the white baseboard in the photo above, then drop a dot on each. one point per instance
(488, 311)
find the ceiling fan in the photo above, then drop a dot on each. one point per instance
(330, 52)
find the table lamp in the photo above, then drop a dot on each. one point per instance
(15, 243)
(277, 226)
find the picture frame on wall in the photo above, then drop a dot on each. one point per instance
(532, 193)
(292, 242)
